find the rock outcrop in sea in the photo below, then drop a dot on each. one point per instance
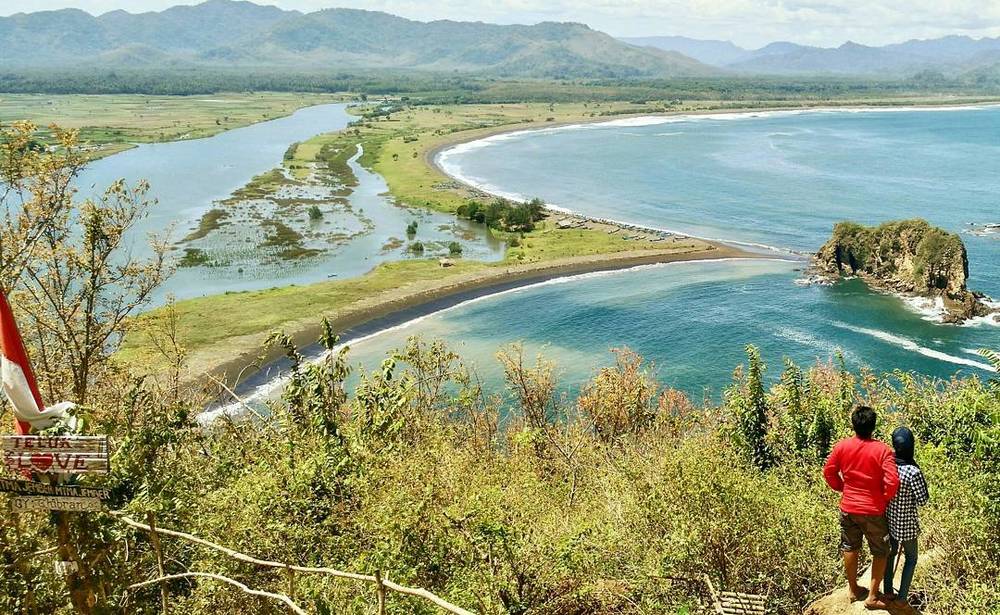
(908, 257)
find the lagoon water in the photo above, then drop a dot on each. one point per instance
(778, 179)
(187, 177)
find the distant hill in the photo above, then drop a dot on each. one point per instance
(230, 33)
(714, 53)
(849, 58)
(951, 54)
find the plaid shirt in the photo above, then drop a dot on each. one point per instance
(904, 524)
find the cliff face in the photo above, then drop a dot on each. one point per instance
(908, 256)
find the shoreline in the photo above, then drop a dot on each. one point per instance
(247, 369)
(273, 374)
(431, 157)
(388, 309)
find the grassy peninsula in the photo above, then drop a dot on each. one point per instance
(399, 140)
(224, 334)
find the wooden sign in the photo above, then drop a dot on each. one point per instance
(65, 568)
(27, 487)
(56, 454)
(27, 503)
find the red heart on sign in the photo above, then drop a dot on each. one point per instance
(41, 462)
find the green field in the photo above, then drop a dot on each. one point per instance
(113, 123)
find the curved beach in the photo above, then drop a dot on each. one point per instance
(408, 299)
(392, 307)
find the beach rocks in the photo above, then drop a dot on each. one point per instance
(908, 257)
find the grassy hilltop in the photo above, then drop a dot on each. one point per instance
(524, 501)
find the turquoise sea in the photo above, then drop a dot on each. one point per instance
(776, 179)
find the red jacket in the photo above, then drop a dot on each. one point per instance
(865, 472)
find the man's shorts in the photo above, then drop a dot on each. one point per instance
(875, 528)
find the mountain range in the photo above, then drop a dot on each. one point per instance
(244, 35)
(235, 33)
(951, 54)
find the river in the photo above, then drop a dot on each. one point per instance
(188, 177)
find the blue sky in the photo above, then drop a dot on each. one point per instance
(747, 22)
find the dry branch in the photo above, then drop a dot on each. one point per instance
(218, 577)
(423, 593)
(402, 589)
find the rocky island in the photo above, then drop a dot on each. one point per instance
(908, 257)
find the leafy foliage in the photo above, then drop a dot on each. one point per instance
(505, 215)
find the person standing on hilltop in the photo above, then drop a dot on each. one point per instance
(904, 523)
(864, 471)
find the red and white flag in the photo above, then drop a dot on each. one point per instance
(19, 380)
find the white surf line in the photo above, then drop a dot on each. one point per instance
(932, 309)
(653, 119)
(455, 172)
(265, 390)
(910, 345)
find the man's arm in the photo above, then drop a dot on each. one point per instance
(890, 475)
(831, 471)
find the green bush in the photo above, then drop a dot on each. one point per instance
(526, 501)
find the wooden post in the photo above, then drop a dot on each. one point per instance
(80, 595)
(290, 575)
(380, 592)
(714, 596)
(24, 567)
(155, 539)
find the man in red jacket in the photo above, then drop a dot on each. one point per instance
(864, 471)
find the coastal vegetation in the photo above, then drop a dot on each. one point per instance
(524, 500)
(505, 215)
(519, 500)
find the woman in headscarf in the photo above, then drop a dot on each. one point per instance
(904, 522)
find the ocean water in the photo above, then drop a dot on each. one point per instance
(775, 179)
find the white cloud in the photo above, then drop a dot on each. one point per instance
(747, 22)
